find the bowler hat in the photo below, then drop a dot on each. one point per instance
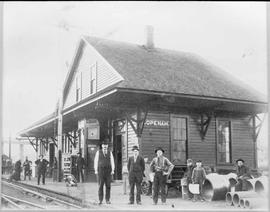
(159, 148)
(105, 141)
(240, 159)
(135, 148)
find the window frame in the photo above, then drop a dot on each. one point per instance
(218, 120)
(172, 136)
(78, 86)
(93, 80)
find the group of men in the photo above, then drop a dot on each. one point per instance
(104, 169)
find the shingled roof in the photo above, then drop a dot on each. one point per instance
(171, 71)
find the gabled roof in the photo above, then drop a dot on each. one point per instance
(170, 71)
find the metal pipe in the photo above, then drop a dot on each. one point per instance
(261, 184)
(232, 178)
(251, 184)
(242, 203)
(215, 187)
(255, 203)
(242, 194)
(229, 197)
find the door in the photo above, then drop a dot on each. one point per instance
(178, 139)
(117, 153)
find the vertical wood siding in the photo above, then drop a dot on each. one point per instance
(106, 76)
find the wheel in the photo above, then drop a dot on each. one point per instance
(145, 187)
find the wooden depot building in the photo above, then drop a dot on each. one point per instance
(150, 97)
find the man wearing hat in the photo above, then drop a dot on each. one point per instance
(136, 166)
(104, 169)
(243, 175)
(162, 168)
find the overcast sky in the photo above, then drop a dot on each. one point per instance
(40, 40)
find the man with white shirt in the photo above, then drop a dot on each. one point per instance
(136, 166)
(104, 169)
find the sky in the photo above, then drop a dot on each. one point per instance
(40, 39)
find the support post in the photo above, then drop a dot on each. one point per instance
(254, 141)
(59, 138)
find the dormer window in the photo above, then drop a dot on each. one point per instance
(93, 77)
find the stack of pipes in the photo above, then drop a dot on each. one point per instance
(255, 197)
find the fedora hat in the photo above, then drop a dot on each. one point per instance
(240, 159)
(159, 148)
(105, 141)
(135, 148)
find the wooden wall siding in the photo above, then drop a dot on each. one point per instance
(204, 150)
(242, 141)
(106, 75)
(156, 136)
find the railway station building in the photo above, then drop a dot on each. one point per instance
(151, 97)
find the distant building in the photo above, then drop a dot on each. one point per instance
(143, 95)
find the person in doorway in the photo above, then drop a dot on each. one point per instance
(162, 168)
(104, 169)
(198, 177)
(243, 175)
(136, 167)
(79, 167)
(149, 177)
(188, 175)
(54, 169)
(27, 168)
(41, 169)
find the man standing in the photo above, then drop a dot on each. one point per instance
(162, 168)
(27, 170)
(104, 169)
(243, 175)
(136, 168)
(80, 166)
(41, 168)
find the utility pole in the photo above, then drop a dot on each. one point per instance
(9, 147)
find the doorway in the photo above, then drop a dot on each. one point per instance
(90, 156)
(178, 139)
(117, 153)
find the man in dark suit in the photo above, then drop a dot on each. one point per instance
(41, 168)
(104, 169)
(136, 166)
(80, 166)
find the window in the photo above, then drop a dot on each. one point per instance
(224, 142)
(78, 86)
(179, 138)
(93, 74)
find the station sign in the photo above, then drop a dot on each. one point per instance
(157, 123)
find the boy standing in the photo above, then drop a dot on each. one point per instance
(188, 175)
(198, 177)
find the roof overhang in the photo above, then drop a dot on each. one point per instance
(121, 98)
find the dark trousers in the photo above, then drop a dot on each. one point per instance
(135, 179)
(159, 183)
(41, 173)
(80, 174)
(104, 177)
(198, 196)
(27, 173)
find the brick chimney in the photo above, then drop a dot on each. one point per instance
(149, 37)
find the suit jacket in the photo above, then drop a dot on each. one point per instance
(136, 167)
(41, 165)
